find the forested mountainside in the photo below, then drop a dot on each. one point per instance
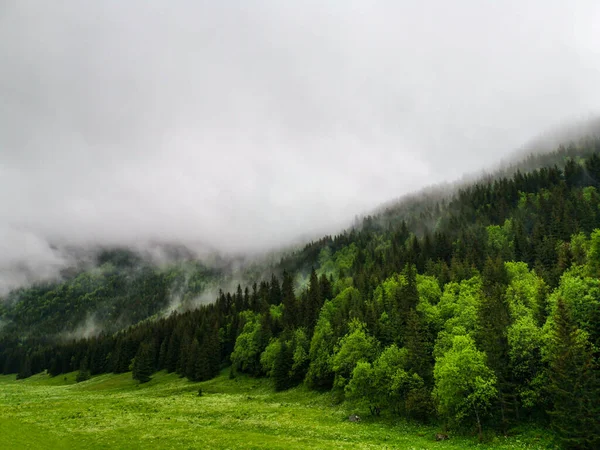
(478, 307)
(120, 290)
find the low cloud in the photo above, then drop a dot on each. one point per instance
(239, 127)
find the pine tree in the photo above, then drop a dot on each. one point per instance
(290, 307)
(282, 367)
(275, 291)
(213, 352)
(84, 372)
(172, 355)
(314, 301)
(184, 353)
(142, 364)
(25, 369)
(493, 320)
(162, 354)
(419, 350)
(192, 371)
(574, 386)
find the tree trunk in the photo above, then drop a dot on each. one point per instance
(480, 432)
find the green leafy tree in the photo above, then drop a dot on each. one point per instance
(249, 345)
(268, 356)
(464, 386)
(356, 346)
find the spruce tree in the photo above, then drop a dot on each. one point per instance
(162, 354)
(290, 307)
(172, 355)
(282, 367)
(84, 372)
(192, 371)
(142, 364)
(574, 386)
(25, 369)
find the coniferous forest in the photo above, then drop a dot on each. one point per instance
(476, 307)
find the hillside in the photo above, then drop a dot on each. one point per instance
(476, 308)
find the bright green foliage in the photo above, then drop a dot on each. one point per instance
(579, 247)
(581, 295)
(458, 311)
(344, 258)
(320, 373)
(464, 385)
(267, 358)
(429, 297)
(525, 340)
(526, 292)
(386, 384)
(300, 346)
(364, 387)
(593, 266)
(525, 296)
(372, 384)
(249, 345)
(500, 240)
(356, 346)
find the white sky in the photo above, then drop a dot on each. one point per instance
(246, 124)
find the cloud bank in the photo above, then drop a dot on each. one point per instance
(245, 125)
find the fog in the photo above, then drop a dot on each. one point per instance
(240, 126)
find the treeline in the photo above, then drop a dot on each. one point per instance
(481, 310)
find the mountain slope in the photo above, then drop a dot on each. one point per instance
(453, 308)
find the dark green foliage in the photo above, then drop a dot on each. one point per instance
(84, 372)
(282, 367)
(25, 369)
(291, 311)
(142, 364)
(574, 385)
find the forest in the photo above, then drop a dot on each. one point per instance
(477, 308)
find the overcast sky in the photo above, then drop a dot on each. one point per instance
(245, 124)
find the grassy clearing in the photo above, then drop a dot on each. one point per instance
(113, 411)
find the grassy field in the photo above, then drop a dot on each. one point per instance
(113, 411)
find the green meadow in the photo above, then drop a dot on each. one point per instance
(114, 411)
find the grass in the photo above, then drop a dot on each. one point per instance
(113, 411)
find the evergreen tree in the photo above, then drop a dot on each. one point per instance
(275, 291)
(172, 355)
(291, 313)
(84, 372)
(419, 358)
(194, 364)
(142, 364)
(313, 301)
(162, 354)
(574, 386)
(282, 367)
(25, 370)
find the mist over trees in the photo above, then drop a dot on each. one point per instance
(479, 310)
